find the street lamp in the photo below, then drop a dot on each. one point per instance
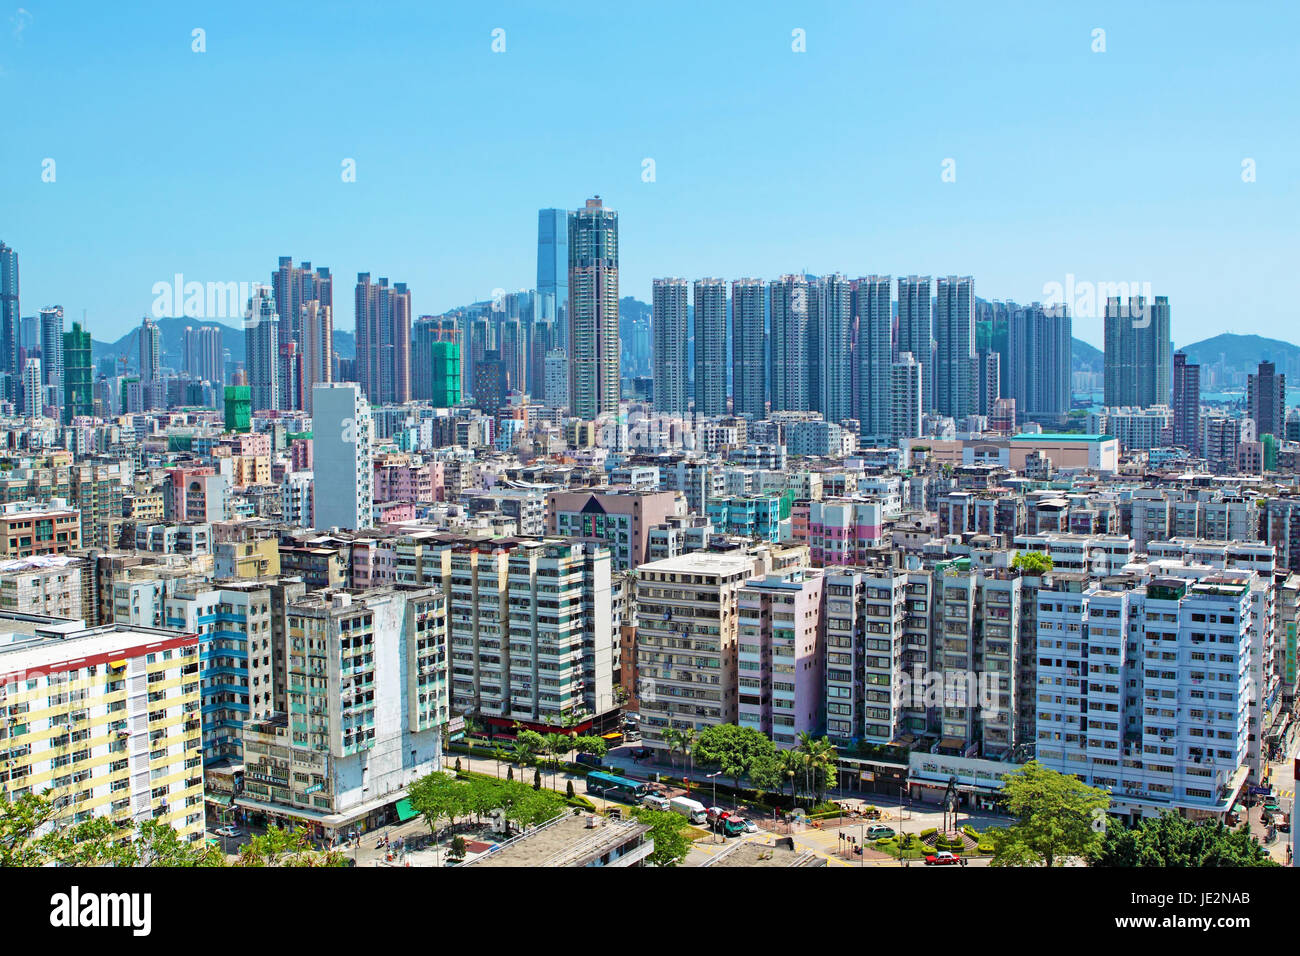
(714, 777)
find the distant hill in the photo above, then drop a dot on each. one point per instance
(1085, 357)
(173, 341)
(1243, 353)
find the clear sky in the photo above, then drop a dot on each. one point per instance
(1117, 166)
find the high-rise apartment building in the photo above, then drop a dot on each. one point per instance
(362, 712)
(1266, 400)
(1187, 404)
(781, 664)
(383, 340)
(668, 321)
(52, 347)
(748, 349)
(687, 631)
(531, 633)
(33, 388)
(10, 322)
(261, 349)
(834, 330)
(593, 343)
(107, 718)
(914, 330)
(954, 354)
(873, 357)
(906, 391)
(791, 361)
(710, 347)
(150, 342)
(202, 354)
(1138, 353)
(1037, 374)
(341, 456)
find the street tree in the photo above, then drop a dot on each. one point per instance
(1172, 840)
(732, 749)
(1056, 818)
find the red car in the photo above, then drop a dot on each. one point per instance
(944, 858)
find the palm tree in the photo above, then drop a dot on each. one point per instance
(791, 762)
(500, 755)
(673, 738)
(819, 760)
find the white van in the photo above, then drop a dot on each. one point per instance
(654, 802)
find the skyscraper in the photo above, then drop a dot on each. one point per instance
(668, 319)
(593, 311)
(341, 456)
(304, 300)
(261, 349)
(834, 329)
(33, 389)
(383, 340)
(1187, 404)
(1037, 374)
(78, 374)
(748, 349)
(791, 362)
(1138, 352)
(150, 340)
(202, 354)
(906, 389)
(988, 380)
(873, 357)
(9, 322)
(553, 264)
(954, 354)
(1266, 400)
(710, 347)
(914, 323)
(52, 347)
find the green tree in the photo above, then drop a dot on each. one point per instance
(668, 830)
(1171, 840)
(283, 847)
(1032, 562)
(820, 762)
(437, 797)
(1056, 818)
(733, 749)
(591, 744)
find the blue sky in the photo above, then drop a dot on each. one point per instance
(1117, 166)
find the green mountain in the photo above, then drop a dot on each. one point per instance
(1243, 353)
(173, 340)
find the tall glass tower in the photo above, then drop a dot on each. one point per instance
(553, 264)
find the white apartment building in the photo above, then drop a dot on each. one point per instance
(1148, 691)
(367, 703)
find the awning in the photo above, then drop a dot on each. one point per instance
(405, 811)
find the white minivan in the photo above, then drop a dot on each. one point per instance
(654, 802)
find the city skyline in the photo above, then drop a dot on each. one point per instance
(458, 223)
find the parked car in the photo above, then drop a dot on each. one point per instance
(751, 826)
(640, 753)
(878, 831)
(228, 831)
(944, 858)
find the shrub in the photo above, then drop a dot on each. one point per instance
(925, 834)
